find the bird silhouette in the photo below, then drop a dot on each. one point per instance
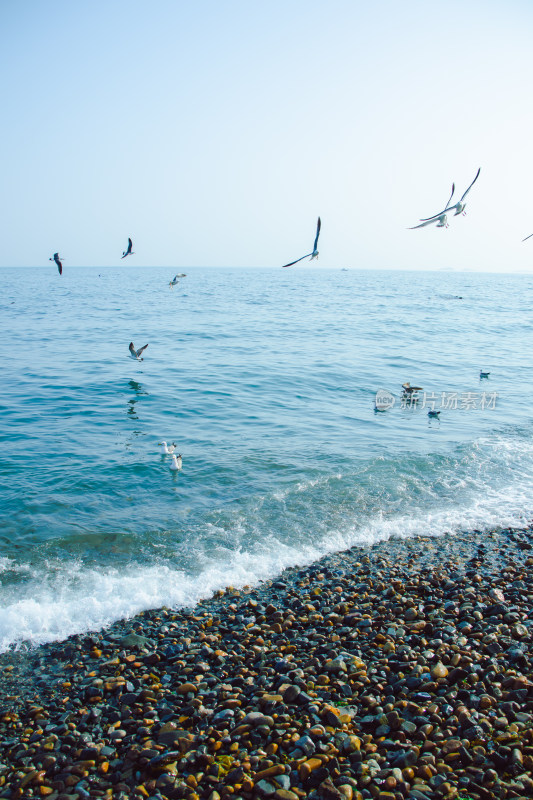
(314, 254)
(57, 259)
(128, 251)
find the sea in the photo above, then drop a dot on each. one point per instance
(266, 380)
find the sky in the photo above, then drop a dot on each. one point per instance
(215, 132)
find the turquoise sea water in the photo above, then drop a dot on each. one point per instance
(265, 379)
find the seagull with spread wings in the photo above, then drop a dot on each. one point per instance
(312, 255)
(439, 219)
(129, 250)
(136, 354)
(460, 205)
(57, 258)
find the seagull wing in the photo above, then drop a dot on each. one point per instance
(130, 245)
(423, 219)
(318, 226)
(430, 221)
(141, 349)
(473, 182)
(528, 237)
(295, 262)
(133, 351)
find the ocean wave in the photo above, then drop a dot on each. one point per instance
(482, 486)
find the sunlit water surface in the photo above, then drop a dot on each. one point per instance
(266, 380)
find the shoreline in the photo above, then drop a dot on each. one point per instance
(401, 669)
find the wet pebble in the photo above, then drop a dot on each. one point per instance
(400, 671)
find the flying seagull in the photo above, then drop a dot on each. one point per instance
(483, 374)
(441, 222)
(129, 251)
(460, 205)
(57, 259)
(314, 254)
(440, 219)
(176, 278)
(136, 354)
(528, 237)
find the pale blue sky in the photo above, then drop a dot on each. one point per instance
(214, 132)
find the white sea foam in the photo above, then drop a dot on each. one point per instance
(78, 599)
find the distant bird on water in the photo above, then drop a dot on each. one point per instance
(483, 374)
(434, 414)
(176, 463)
(312, 255)
(439, 219)
(408, 389)
(129, 250)
(136, 354)
(57, 259)
(460, 205)
(167, 450)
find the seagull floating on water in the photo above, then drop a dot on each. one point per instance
(312, 255)
(136, 354)
(57, 259)
(439, 219)
(176, 463)
(167, 450)
(483, 374)
(129, 250)
(434, 414)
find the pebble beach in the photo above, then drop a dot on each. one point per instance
(401, 670)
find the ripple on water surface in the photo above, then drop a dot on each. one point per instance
(266, 383)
